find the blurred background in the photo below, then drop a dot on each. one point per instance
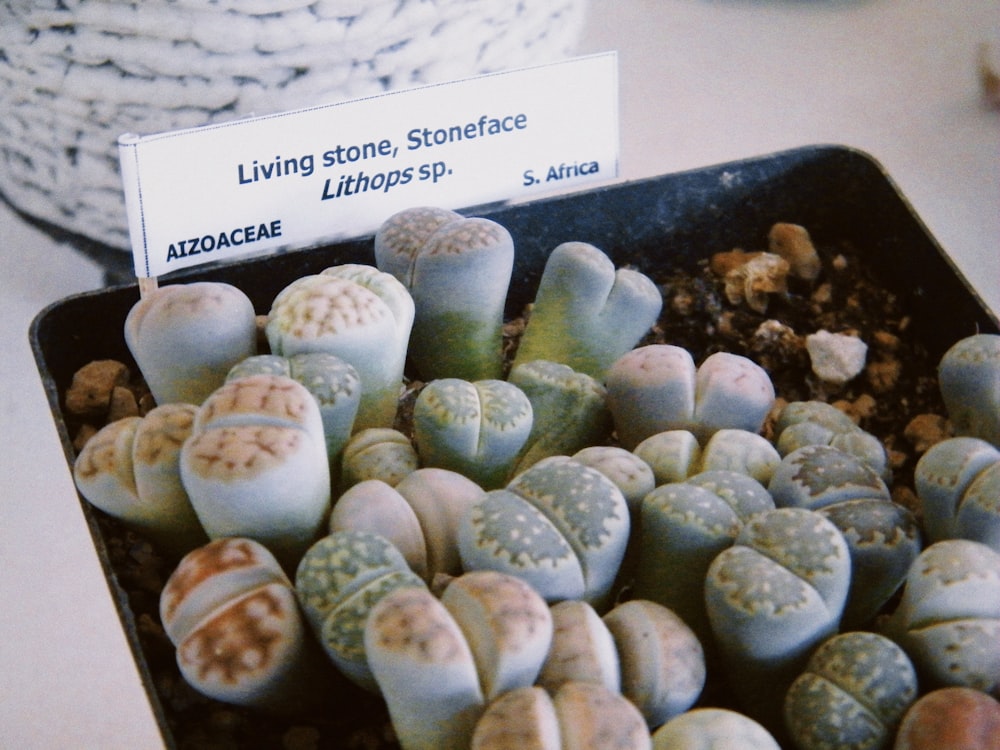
(702, 82)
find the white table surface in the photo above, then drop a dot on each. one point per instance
(702, 82)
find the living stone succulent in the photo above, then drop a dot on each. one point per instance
(952, 717)
(852, 694)
(948, 619)
(773, 596)
(969, 379)
(185, 337)
(232, 614)
(458, 272)
(711, 728)
(802, 423)
(334, 384)
(560, 525)
(577, 715)
(742, 451)
(256, 464)
(633, 476)
(439, 661)
(662, 660)
(338, 581)
(354, 312)
(377, 453)
(672, 455)
(477, 429)
(656, 388)
(682, 528)
(569, 410)
(582, 649)
(587, 314)
(130, 470)
(958, 484)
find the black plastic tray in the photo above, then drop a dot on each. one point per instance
(672, 221)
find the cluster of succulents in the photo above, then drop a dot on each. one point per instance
(557, 547)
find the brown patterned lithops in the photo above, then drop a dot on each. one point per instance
(358, 314)
(232, 614)
(185, 337)
(425, 670)
(256, 464)
(130, 470)
(582, 649)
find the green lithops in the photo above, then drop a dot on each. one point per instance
(958, 484)
(477, 429)
(560, 525)
(948, 619)
(852, 694)
(683, 526)
(377, 453)
(969, 379)
(338, 581)
(354, 312)
(458, 271)
(587, 314)
(773, 596)
(569, 410)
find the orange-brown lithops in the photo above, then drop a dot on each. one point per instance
(232, 614)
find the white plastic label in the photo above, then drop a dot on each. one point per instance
(311, 176)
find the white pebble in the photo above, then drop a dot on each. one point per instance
(836, 357)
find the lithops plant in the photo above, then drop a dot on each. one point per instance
(683, 527)
(952, 717)
(773, 596)
(969, 379)
(256, 465)
(711, 728)
(672, 455)
(233, 617)
(458, 272)
(130, 470)
(569, 411)
(334, 384)
(338, 581)
(741, 451)
(587, 314)
(948, 619)
(582, 649)
(884, 538)
(662, 660)
(852, 694)
(633, 476)
(560, 525)
(801, 423)
(958, 484)
(438, 661)
(185, 337)
(381, 453)
(354, 312)
(475, 428)
(579, 715)
(655, 388)
(420, 516)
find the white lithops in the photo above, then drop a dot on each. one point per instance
(773, 596)
(339, 579)
(256, 464)
(185, 337)
(851, 695)
(560, 525)
(232, 614)
(130, 470)
(358, 314)
(948, 619)
(662, 661)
